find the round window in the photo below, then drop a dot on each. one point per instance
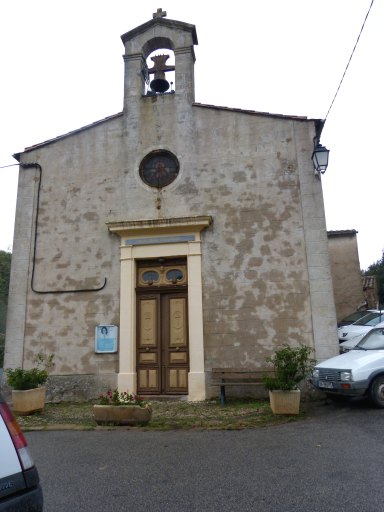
(159, 168)
(150, 276)
(174, 275)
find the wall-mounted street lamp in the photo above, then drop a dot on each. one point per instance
(320, 157)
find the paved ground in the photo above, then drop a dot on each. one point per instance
(329, 462)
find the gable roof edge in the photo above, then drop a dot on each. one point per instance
(65, 135)
(181, 25)
(319, 123)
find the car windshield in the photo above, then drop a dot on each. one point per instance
(370, 319)
(357, 315)
(374, 340)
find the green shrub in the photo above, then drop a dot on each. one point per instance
(291, 366)
(20, 379)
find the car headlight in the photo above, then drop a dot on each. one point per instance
(346, 376)
(315, 374)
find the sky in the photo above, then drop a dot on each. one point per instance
(62, 68)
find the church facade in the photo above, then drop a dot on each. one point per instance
(168, 239)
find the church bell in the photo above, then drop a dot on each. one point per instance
(159, 84)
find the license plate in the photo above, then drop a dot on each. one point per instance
(324, 384)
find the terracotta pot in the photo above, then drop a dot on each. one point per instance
(285, 402)
(122, 414)
(28, 401)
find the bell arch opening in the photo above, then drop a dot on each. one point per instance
(159, 71)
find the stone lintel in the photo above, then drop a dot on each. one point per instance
(160, 226)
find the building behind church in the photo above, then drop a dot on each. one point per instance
(352, 291)
(168, 239)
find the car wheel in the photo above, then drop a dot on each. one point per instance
(376, 391)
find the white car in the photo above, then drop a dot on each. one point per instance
(360, 327)
(19, 480)
(353, 317)
(358, 372)
(348, 345)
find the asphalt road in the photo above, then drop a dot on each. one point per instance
(330, 462)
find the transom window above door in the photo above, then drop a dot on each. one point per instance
(163, 274)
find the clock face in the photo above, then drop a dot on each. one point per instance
(159, 168)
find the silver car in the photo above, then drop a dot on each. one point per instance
(360, 327)
(20, 489)
(348, 345)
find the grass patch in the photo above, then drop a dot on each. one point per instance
(75, 414)
(172, 415)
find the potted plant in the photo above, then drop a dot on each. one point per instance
(121, 408)
(28, 390)
(291, 365)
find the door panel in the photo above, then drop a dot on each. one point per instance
(147, 358)
(175, 343)
(177, 379)
(178, 322)
(162, 343)
(148, 323)
(148, 339)
(148, 380)
(177, 357)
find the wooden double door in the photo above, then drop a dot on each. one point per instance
(162, 342)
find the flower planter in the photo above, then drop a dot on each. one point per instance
(122, 414)
(285, 402)
(28, 401)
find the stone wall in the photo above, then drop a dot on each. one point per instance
(258, 286)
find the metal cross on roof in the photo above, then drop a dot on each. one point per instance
(159, 13)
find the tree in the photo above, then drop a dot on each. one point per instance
(5, 270)
(377, 269)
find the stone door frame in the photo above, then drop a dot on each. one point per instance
(161, 238)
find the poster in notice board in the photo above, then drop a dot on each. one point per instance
(106, 339)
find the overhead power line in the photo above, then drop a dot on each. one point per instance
(10, 165)
(350, 58)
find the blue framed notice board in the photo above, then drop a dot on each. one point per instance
(106, 339)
